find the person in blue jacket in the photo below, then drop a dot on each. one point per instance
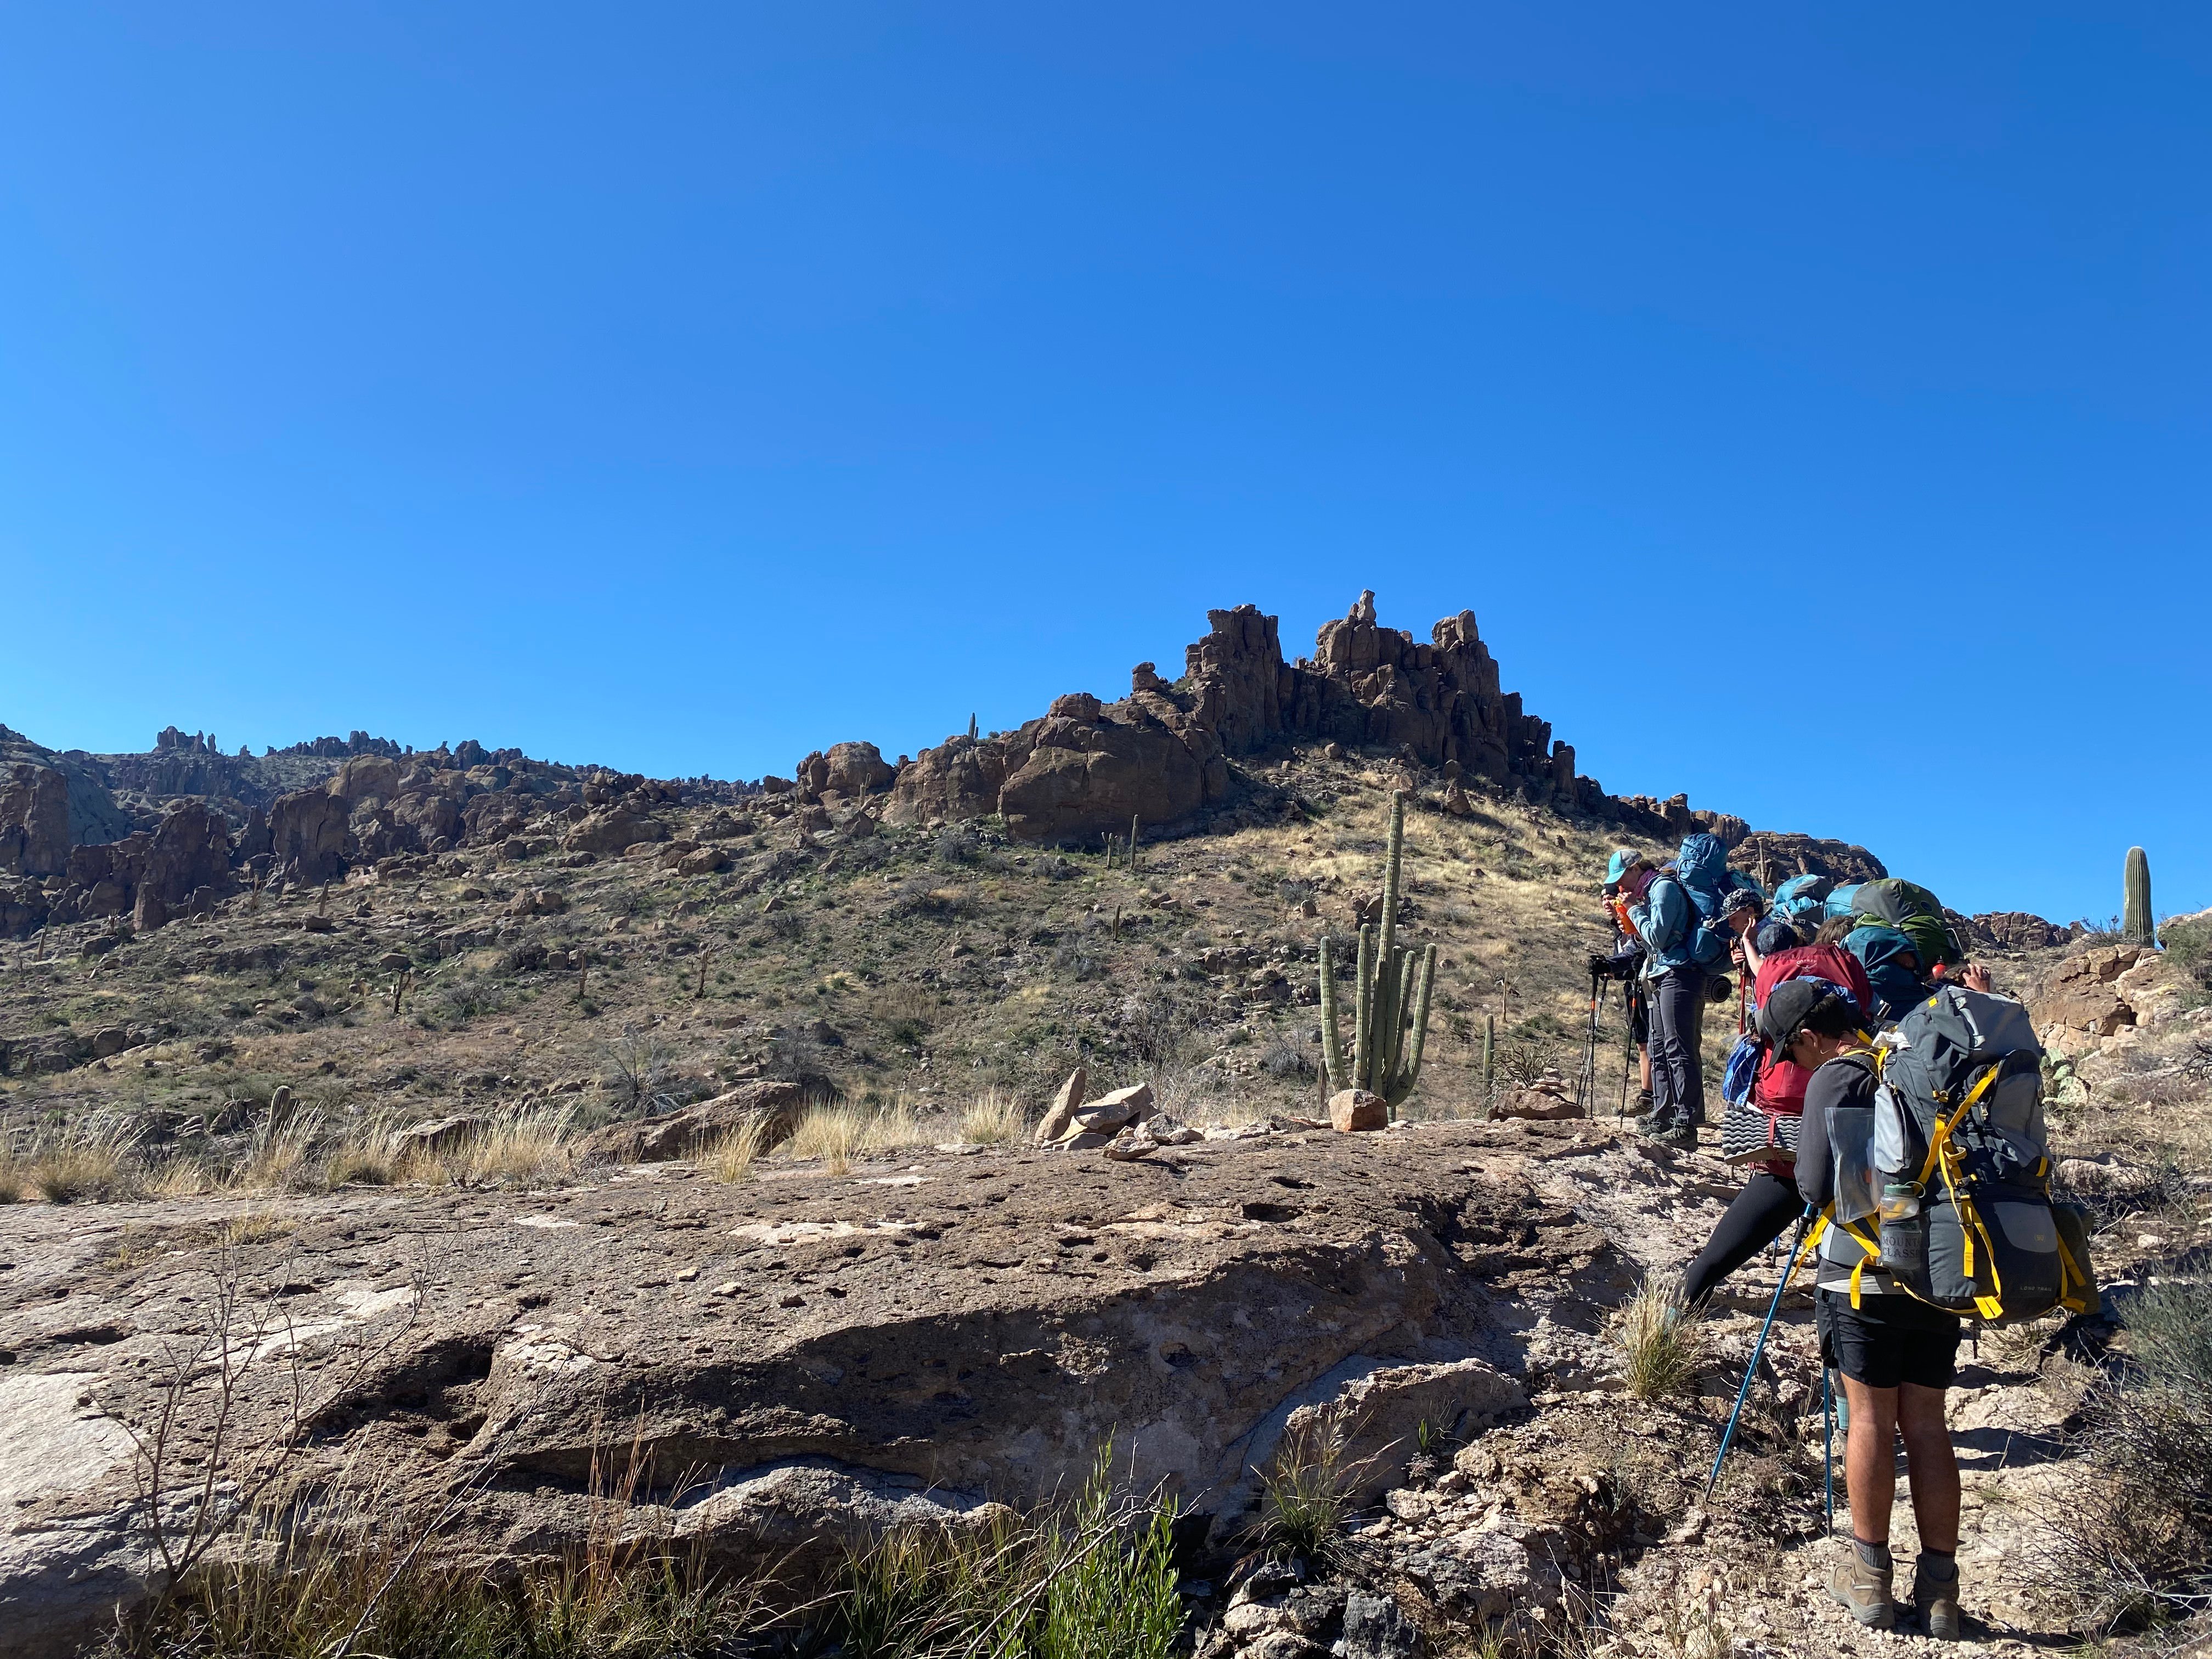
(1677, 911)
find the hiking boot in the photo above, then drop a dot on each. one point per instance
(1865, 1591)
(1642, 1107)
(1680, 1136)
(1937, 1599)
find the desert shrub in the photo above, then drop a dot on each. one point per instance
(1660, 1340)
(361, 1583)
(1077, 958)
(2130, 1546)
(636, 1069)
(1094, 1579)
(2189, 949)
(1284, 1058)
(356, 1163)
(955, 846)
(529, 1149)
(279, 1155)
(1153, 1029)
(1306, 1489)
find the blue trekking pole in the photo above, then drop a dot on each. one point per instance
(1758, 1348)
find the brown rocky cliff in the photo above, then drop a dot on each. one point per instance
(1162, 754)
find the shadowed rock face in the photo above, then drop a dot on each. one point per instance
(974, 1327)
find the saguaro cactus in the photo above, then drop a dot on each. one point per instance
(2136, 924)
(1391, 987)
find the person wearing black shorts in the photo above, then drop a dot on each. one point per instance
(1897, 1354)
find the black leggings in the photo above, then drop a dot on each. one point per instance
(1762, 1212)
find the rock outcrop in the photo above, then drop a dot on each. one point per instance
(35, 829)
(1162, 754)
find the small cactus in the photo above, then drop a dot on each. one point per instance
(1391, 985)
(2136, 924)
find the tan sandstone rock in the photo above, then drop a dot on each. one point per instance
(1357, 1111)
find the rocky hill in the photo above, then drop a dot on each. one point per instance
(482, 1103)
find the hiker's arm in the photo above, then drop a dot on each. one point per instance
(1815, 1176)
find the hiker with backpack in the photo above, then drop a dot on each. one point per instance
(1774, 1103)
(1678, 913)
(1928, 1163)
(1898, 1355)
(1624, 963)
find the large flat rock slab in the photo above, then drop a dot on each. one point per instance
(943, 1330)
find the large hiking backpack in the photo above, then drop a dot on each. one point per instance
(1803, 896)
(1751, 1132)
(1961, 1165)
(1913, 911)
(1701, 870)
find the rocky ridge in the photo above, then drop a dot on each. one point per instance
(1169, 759)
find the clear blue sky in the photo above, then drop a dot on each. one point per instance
(1810, 401)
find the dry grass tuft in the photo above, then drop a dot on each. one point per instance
(529, 1149)
(280, 1158)
(91, 1167)
(357, 1163)
(837, 1134)
(992, 1119)
(1661, 1341)
(254, 1227)
(730, 1159)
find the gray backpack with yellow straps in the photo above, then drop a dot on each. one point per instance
(1960, 1162)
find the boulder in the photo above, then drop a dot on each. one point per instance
(1108, 1112)
(611, 830)
(857, 769)
(433, 1135)
(777, 1107)
(1541, 1104)
(1086, 773)
(703, 861)
(34, 824)
(1356, 1111)
(310, 834)
(1059, 1116)
(2083, 995)
(958, 779)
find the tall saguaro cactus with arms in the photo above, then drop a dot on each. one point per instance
(1391, 987)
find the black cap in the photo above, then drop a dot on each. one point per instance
(1785, 1009)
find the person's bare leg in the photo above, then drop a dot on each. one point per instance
(1870, 1461)
(1863, 1583)
(1935, 1471)
(1933, 1468)
(1644, 1053)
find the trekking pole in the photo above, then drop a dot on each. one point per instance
(1757, 1348)
(1586, 1085)
(1627, 1046)
(1828, 1446)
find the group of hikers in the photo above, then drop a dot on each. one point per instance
(1882, 1098)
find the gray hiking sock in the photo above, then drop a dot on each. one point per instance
(1938, 1564)
(1872, 1555)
